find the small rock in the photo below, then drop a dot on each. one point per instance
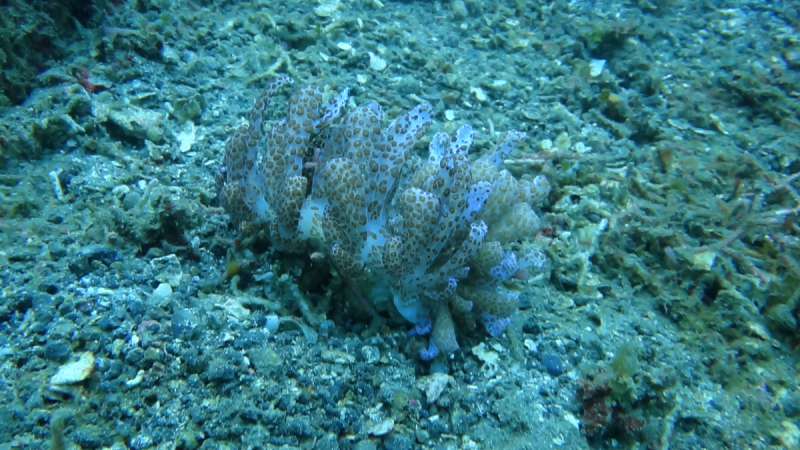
(459, 9)
(189, 108)
(553, 365)
(328, 442)
(56, 350)
(398, 442)
(781, 317)
(371, 354)
(365, 444)
(337, 357)
(139, 123)
(184, 324)
(168, 269)
(792, 57)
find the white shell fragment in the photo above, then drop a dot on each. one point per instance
(434, 385)
(187, 137)
(718, 124)
(76, 371)
(704, 260)
(326, 9)
(480, 94)
(381, 428)
(376, 63)
(162, 292)
(596, 67)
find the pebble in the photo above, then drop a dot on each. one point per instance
(371, 354)
(553, 365)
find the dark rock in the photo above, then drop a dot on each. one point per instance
(553, 365)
